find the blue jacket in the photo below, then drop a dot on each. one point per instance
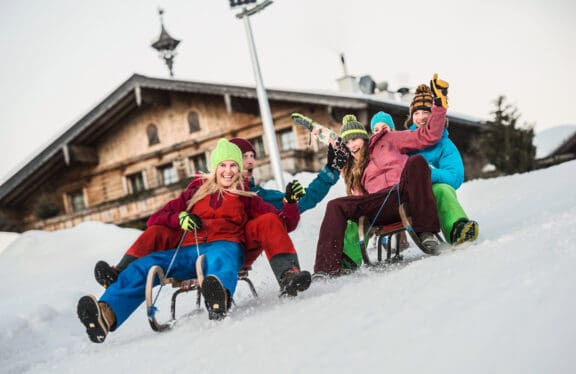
(444, 160)
(315, 191)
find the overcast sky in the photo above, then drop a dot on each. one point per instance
(62, 57)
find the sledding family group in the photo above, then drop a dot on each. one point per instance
(226, 220)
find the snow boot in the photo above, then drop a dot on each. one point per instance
(287, 271)
(215, 297)
(294, 281)
(430, 243)
(96, 317)
(105, 274)
(464, 230)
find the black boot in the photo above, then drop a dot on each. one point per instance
(96, 316)
(215, 297)
(287, 271)
(105, 274)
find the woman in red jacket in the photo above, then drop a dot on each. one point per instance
(216, 209)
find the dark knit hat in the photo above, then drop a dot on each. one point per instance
(243, 144)
(422, 99)
(352, 129)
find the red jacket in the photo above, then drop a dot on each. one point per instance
(223, 218)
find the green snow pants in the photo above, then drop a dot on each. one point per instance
(352, 256)
(449, 209)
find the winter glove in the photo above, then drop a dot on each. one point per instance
(294, 191)
(337, 156)
(439, 91)
(189, 221)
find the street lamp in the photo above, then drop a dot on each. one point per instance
(166, 45)
(265, 114)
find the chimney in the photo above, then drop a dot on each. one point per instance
(347, 83)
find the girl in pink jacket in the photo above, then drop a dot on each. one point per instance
(382, 175)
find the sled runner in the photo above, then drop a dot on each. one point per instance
(156, 277)
(384, 235)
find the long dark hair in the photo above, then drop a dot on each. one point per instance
(354, 169)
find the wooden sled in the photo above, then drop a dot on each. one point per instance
(156, 277)
(384, 235)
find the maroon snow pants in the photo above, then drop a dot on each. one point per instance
(415, 189)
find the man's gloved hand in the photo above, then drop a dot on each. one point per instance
(294, 191)
(439, 91)
(189, 221)
(337, 156)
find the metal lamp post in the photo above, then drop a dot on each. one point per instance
(166, 45)
(265, 114)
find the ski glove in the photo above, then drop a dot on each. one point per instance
(337, 156)
(294, 191)
(439, 91)
(189, 221)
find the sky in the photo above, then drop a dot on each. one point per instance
(62, 57)
(502, 305)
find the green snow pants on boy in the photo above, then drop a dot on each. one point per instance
(449, 209)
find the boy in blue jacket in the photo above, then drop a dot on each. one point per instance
(447, 173)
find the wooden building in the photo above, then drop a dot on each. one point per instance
(138, 148)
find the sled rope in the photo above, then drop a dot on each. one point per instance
(152, 309)
(380, 209)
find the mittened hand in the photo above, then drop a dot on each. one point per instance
(337, 156)
(439, 91)
(189, 221)
(294, 191)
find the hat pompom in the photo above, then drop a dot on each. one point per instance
(423, 90)
(348, 118)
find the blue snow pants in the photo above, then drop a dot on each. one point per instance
(222, 258)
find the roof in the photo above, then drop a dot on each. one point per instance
(139, 89)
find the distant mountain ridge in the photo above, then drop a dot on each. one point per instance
(546, 141)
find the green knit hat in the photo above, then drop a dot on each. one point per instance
(225, 151)
(352, 129)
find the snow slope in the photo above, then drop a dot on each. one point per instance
(504, 305)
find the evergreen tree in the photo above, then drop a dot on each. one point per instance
(507, 145)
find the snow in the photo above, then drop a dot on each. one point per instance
(503, 305)
(548, 140)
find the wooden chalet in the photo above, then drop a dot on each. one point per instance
(137, 148)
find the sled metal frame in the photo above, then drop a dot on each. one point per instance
(388, 232)
(156, 274)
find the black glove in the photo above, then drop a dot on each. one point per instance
(189, 221)
(337, 156)
(294, 191)
(439, 91)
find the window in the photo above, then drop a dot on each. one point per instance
(258, 146)
(167, 174)
(198, 163)
(136, 183)
(193, 122)
(77, 202)
(152, 132)
(287, 140)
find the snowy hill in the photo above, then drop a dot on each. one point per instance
(504, 305)
(548, 140)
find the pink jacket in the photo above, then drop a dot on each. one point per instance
(388, 151)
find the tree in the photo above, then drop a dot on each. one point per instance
(506, 145)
